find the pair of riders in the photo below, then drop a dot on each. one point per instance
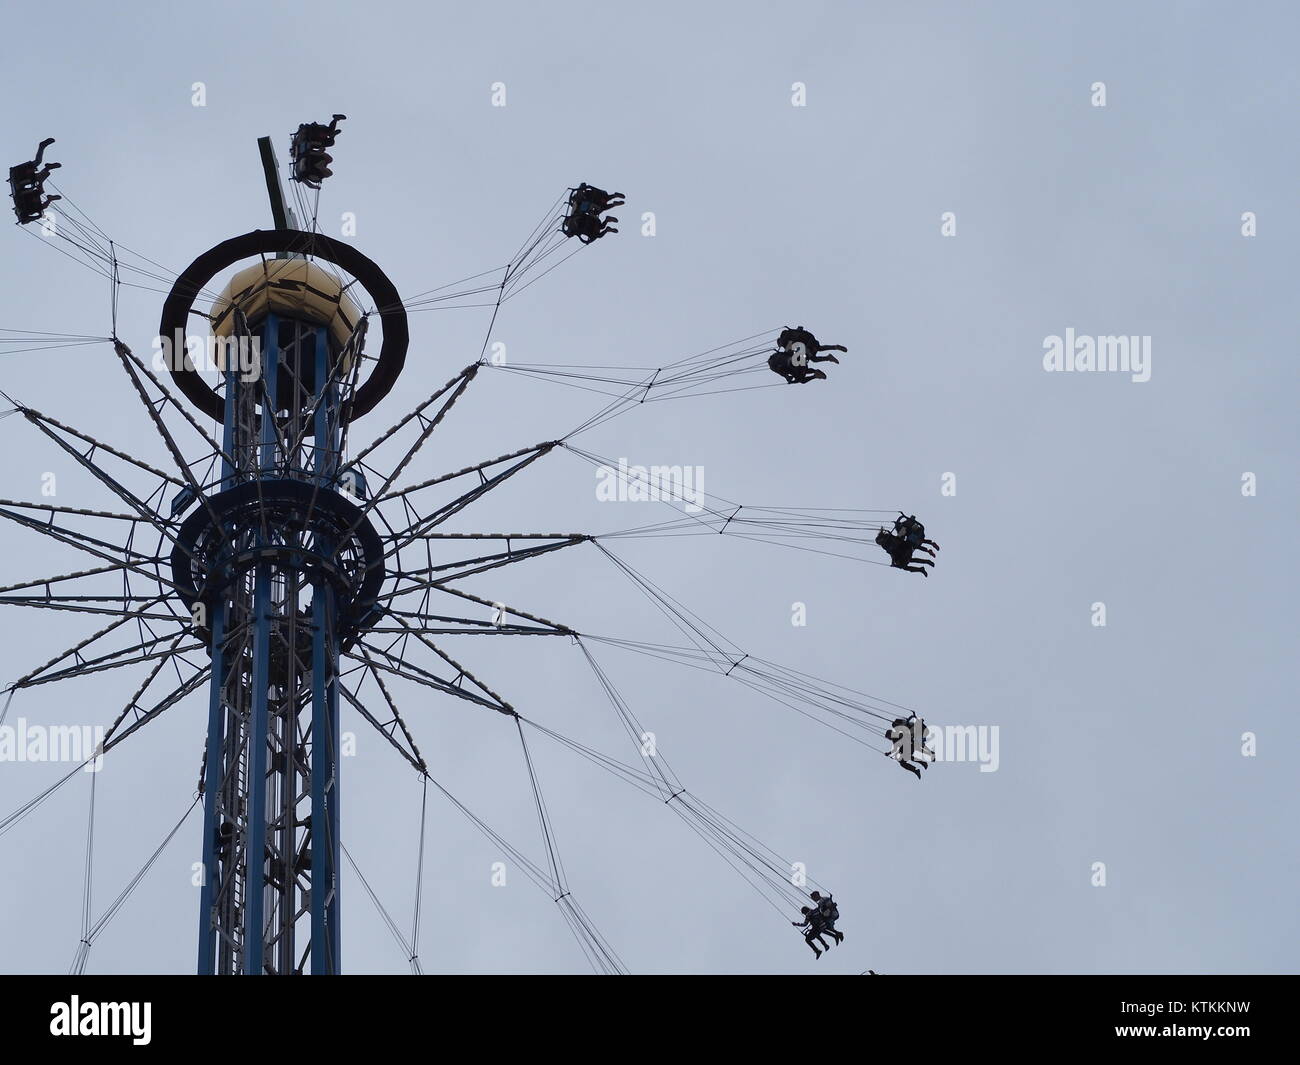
(819, 920)
(27, 185)
(795, 349)
(586, 204)
(908, 736)
(907, 538)
(310, 163)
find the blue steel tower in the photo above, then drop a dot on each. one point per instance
(280, 568)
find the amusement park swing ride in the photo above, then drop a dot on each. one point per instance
(274, 567)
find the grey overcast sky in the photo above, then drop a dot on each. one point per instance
(1120, 744)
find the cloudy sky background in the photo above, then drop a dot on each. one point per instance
(1119, 745)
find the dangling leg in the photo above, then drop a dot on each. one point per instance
(917, 569)
(910, 768)
(921, 547)
(808, 938)
(931, 543)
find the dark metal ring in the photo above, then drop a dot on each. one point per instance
(357, 609)
(180, 301)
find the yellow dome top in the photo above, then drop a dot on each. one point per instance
(293, 287)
